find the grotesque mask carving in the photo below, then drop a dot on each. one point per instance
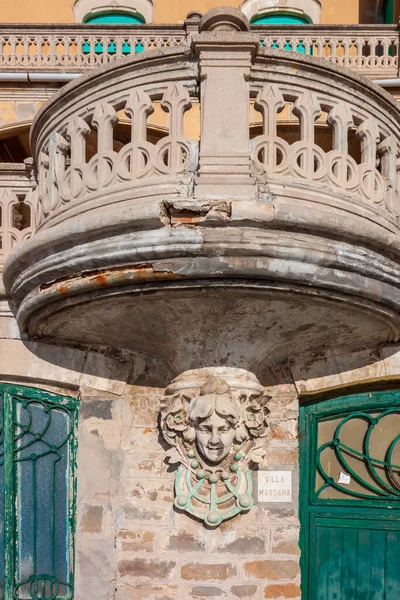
(215, 419)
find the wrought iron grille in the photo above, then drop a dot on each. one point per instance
(358, 456)
(37, 476)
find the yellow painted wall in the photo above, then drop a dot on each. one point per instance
(36, 11)
(166, 11)
(340, 11)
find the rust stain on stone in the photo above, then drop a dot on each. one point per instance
(100, 279)
(114, 276)
(147, 430)
(63, 289)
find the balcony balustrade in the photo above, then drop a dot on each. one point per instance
(371, 50)
(287, 222)
(16, 210)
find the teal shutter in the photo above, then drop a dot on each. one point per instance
(113, 18)
(283, 18)
(279, 19)
(389, 12)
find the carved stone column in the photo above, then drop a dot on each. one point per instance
(226, 49)
(215, 420)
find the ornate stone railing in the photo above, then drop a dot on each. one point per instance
(358, 157)
(69, 183)
(16, 209)
(368, 49)
(371, 50)
(77, 48)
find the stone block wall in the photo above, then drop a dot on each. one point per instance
(131, 541)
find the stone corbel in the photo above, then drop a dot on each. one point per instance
(215, 421)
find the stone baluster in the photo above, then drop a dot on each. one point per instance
(58, 148)
(340, 119)
(307, 109)
(368, 133)
(43, 172)
(225, 48)
(386, 43)
(77, 132)
(11, 231)
(7, 200)
(387, 150)
(138, 108)
(176, 101)
(269, 102)
(104, 120)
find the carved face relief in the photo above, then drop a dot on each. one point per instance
(215, 431)
(214, 438)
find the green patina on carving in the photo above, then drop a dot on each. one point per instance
(206, 493)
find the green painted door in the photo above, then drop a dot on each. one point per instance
(350, 498)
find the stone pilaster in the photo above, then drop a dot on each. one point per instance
(226, 49)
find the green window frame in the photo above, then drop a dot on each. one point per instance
(38, 445)
(280, 18)
(284, 18)
(113, 18)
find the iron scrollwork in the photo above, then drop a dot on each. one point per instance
(383, 475)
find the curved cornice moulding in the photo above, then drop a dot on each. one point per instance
(310, 8)
(83, 8)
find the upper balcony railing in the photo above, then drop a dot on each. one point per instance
(371, 50)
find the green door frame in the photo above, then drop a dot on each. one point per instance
(18, 394)
(310, 506)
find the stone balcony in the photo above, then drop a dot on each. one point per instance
(275, 235)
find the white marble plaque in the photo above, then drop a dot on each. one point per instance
(274, 486)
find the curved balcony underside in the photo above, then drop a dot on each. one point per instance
(240, 251)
